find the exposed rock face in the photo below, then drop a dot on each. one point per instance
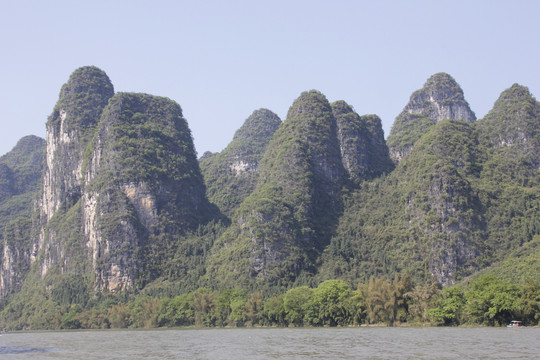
(363, 149)
(440, 98)
(69, 129)
(142, 179)
(232, 174)
(121, 184)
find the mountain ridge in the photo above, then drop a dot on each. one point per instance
(119, 203)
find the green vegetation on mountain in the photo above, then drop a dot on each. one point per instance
(278, 231)
(453, 205)
(379, 301)
(421, 219)
(513, 124)
(20, 175)
(148, 189)
(363, 149)
(518, 266)
(441, 98)
(82, 99)
(295, 223)
(510, 173)
(232, 175)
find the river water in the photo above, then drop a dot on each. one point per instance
(306, 343)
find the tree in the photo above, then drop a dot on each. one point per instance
(70, 320)
(119, 316)
(177, 311)
(328, 304)
(230, 306)
(420, 300)
(253, 308)
(529, 302)
(143, 312)
(375, 295)
(295, 303)
(448, 307)
(273, 311)
(491, 301)
(204, 306)
(396, 302)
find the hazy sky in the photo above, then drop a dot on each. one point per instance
(221, 60)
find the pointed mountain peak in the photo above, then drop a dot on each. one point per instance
(232, 174)
(249, 142)
(299, 191)
(311, 118)
(257, 130)
(25, 145)
(441, 98)
(513, 123)
(26, 156)
(309, 101)
(442, 81)
(81, 100)
(341, 108)
(515, 94)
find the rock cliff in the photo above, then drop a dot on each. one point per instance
(122, 184)
(363, 150)
(143, 188)
(70, 128)
(440, 98)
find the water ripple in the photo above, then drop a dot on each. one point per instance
(22, 350)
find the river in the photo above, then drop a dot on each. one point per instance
(305, 343)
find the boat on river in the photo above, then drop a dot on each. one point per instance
(514, 323)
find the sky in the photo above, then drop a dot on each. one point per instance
(221, 60)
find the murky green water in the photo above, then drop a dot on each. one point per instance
(236, 344)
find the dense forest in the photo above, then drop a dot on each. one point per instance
(487, 301)
(316, 220)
